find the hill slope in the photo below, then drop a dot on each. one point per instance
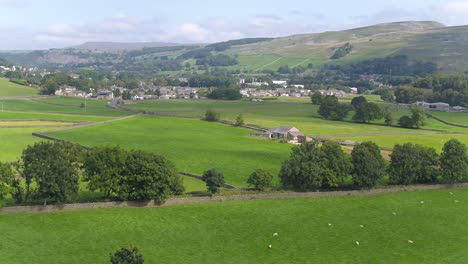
(423, 41)
(112, 46)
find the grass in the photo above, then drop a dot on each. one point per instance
(13, 115)
(61, 106)
(9, 89)
(194, 145)
(240, 231)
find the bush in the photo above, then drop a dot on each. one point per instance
(212, 116)
(260, 179)
(413, 164)
(239, 120)
(127, 255)
(368, 163)
(214, 180)
(454, 162)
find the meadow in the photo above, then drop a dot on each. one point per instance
(193, 145)
(9, 89)
(311, 230)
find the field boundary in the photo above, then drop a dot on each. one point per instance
(445, 122)
(208, 199)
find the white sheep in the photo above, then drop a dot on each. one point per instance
(456, 201)
(410, 242)
(422, 202)
(270, 246)
(394, 213)
(329, 224)
(361, 226)
(275, 234)
(357, 243)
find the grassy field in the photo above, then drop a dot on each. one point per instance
(193, 145)
(62, 106)
(9, 89)
(240, 231)
(13, 115)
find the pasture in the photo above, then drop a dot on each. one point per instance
(240, 231)
(193, 145)
(9, 89)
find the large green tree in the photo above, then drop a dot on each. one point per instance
(454, 162)
(332, 109)
(358, 101)
(104, 168)
(368, 163)
(367, 112)
(53, 169)
(260, 179)
(418, 116)
(316, 98)
(413, 164)
(214, 180)
(6, 180)
(148, 176)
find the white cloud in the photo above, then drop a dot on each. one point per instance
(456, 8)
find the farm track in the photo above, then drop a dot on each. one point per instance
(208, 199)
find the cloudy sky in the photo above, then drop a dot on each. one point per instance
(43, 24)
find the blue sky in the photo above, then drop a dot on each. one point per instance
(38, 24)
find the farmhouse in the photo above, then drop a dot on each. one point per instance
(104, 95)
(286, 133)
(434, 106)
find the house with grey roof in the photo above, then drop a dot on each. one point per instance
(288, 133)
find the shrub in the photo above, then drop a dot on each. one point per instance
(260, 179)
(127, 255)
(454, 162)
(214, 180)
(211, 115)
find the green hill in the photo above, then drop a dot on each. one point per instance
(423, 41)
(9, 89)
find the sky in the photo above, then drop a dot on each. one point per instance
(44, 24)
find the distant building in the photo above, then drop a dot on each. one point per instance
(434, 106)
(104, 95)
(286, 133)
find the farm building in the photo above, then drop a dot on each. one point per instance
(104, 95)
(286, 133)
(434, 106)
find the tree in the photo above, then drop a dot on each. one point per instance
(368, 163)
(6, 180)
(333, 110)
(367, 112)
(405, 122)
(214, 180)
(454, 162)
(148, 176)
(127, 255)
(239, 120)
(358, 101)
(337, 165)
(211, 115)
(316, 98)
(225, 94)
(409, 95)
(311, 166)
(387, 95)
(53, 167)
(413, 164)
(389, 119)
(260, 179)
(418, 116)
(104, 168)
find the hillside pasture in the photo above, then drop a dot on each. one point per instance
(9, 89)
(193, 145)
(311, 230)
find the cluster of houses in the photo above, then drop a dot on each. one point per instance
(284, 92)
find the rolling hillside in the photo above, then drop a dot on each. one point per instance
(423, 41)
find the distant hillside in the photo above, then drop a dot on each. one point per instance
(424, 41)
(113, 46)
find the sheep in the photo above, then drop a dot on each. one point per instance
(456, 201)
(451, 193)
(357, 243)
(410, 242)
(275, 234)
(422, 202)
(361, 226)
(329, 224)
(270, 246)
(394, 213)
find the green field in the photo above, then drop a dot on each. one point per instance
(9, 89)
(194, 145)
(240, 231)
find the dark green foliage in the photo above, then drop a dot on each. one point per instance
(225, 94)
(6, 180)
(369, 165)
(331, 109)
(260, 179)
(222, 46)
(454, 162)
(409, 95)
(342, 51)
(214, 180)
(284, 69)
(451, 89)
(412, 164)
(311, 167)
(367, 112)
(211, 115)
(405, 122)
(104, 168)
(217, 60)
(239, 120)
(148, 176)
(53, 168)
(387, 95)
(358, 101)
(316, 98)
(337, 164)
(389, 119)
(212, 81)
(127, 255)
(418, 116)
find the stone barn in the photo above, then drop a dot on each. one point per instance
(287, 133)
